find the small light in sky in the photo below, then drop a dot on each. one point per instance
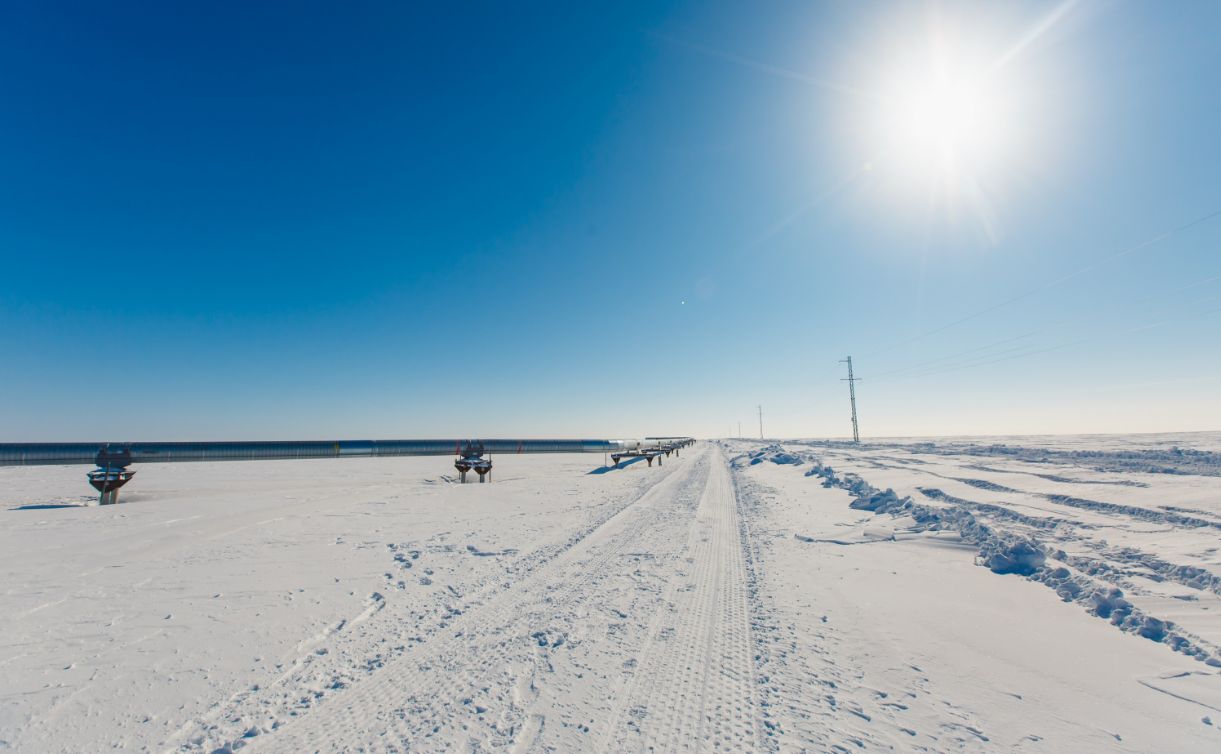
(683, 302)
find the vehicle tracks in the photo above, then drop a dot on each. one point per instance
(473, 683)
(694, 689)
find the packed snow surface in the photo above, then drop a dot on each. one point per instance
(1008, 594)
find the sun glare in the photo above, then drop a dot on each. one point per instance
(941, 122)
(943, 117)
(945, 122)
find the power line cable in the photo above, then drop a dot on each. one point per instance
(1058, 281)
(1193, 284)
(1082, 341)
(956, 355)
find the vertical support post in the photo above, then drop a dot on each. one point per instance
(852, 380)
(760, 422)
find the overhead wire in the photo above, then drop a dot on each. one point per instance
(1059, 323)
(1080, 341)
(1053, 283)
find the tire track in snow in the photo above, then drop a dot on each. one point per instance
(694, 686)
(420, 697)
(295, 692)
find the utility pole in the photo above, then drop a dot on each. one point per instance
(852, 380)
(760, 422)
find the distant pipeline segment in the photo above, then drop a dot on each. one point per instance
(114, 458)
(125, 453)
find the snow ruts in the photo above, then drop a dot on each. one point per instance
(404, 706)
(475, 684)
(693, 690)
(397, 636)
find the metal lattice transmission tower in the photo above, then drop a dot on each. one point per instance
(852, 380)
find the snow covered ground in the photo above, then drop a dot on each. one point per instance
(1053, 594)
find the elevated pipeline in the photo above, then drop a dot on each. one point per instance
(114, 458)
(124, 453)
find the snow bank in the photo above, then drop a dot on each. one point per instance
(1000, 552)
(1071, 576)
(1173, 460)
(1012, 555)
(773, 453)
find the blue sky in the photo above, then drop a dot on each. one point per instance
(311, 221)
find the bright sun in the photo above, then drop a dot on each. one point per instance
(941, 123)
(945, 122)
(945, 117)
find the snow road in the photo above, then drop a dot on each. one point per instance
(478, 680)
(728, 600)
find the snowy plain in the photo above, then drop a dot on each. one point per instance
(961, 594)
